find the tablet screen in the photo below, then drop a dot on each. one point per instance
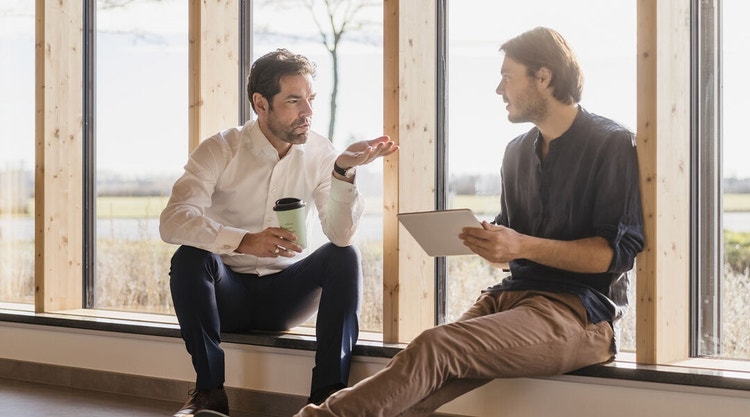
(437, 231)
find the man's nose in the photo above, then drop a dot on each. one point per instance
(307, 109)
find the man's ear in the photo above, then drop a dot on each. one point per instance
(260, 102)
(544, 76)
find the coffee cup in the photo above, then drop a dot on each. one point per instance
(291, 214)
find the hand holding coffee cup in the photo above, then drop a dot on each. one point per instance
(291, 214)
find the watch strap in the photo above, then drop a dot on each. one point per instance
(341, 171)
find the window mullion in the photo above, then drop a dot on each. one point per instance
(707, 194)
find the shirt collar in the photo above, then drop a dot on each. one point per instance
(573, 129)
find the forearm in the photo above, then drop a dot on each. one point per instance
(589, 255)
(341, 212)
(182, 226)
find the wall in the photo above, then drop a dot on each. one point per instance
(287, 371)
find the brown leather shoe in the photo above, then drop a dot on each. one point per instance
(204, 399)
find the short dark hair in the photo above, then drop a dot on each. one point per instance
(544, 47)
(268, 69)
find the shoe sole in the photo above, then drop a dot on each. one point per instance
(209, 413)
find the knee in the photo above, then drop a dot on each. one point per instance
(344, 252)
(348, 257)
(185, 254)
(342, 269)
(423, 349)
(428, 338)
(188, 260)
(436, 342)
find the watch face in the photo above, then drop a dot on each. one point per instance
(350, 172)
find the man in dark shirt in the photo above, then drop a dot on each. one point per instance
(569, 229)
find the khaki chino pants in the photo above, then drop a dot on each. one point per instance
(504, 334)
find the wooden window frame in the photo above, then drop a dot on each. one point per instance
(410, 103)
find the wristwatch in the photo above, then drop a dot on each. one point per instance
(344, 172)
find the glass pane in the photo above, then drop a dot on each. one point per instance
(17, 151)
(141, 145)
(735, 282)
(478, 126)
(358, 110)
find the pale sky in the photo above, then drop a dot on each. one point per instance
(140, 130)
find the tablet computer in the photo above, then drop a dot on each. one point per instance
(437, 231)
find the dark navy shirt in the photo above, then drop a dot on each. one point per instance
(586, 186)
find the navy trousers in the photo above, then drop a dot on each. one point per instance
(210, 298)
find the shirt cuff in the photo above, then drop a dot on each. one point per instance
(228, 239)
(343, 191)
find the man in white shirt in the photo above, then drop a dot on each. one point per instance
(236, 269)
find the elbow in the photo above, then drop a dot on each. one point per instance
(624, 250)
(622, 262)
(165, 232)
(340, 238)
(165, 236)
(340, 242)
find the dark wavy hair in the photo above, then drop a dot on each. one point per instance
(268, 69)
(544, 47)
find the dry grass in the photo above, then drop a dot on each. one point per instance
(16, 271)
(132, 275)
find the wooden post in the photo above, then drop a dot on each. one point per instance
(213, 59)
(663, 281)
(410, 104)
(59, 156)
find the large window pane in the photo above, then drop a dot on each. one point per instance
(358, 107)
(141, 110)
(17, 151)
(604, 38)
(735, 283)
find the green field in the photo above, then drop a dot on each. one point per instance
(150, 207)
(736, 202)
(130, 207)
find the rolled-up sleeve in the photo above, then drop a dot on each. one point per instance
(619, 216)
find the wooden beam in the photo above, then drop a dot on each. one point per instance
(59, 156)
(410, 118)
(390, 172)
(663, 268)
(213, 60)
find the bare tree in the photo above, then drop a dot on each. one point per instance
(333, 19)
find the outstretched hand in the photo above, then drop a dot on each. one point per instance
(366, 151)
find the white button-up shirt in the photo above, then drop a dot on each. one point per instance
(229, 187)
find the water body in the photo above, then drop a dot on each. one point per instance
(371, 228)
